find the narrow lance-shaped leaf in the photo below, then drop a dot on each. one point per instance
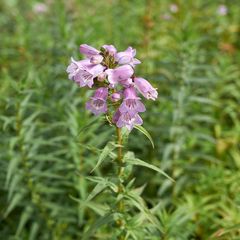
(129, 158)
(145, 132)
(105, 152)
(100, 209)
(96, 190)
(108, 218)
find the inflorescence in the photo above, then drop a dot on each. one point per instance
(112, 73)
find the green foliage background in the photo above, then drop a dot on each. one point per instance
(48, 148)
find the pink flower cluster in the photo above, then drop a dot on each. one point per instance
(117, 87)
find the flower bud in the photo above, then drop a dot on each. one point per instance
(145, 88)
(88, 51)
(96, 59)
(110, 49)
(116, 97)
(102, 77)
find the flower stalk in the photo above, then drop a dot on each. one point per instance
(120, 161)
(117, 90)
(120, 206)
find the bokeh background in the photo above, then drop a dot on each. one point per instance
(49, 143)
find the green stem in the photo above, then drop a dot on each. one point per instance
(120, 174)
(120, 155)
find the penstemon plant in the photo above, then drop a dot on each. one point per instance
(112, 75)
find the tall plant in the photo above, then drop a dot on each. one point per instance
(112, 75)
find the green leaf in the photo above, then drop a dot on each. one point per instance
(139, 203)
(104, 181)
(17, 199)
(145, 132)
(96, 190)
(100, 209)
(27, 213)
(129, 158)
(93, 121)
(105, 152)
(230, 229)
(34, 231)
(108, 218)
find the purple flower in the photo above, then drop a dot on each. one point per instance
(116, 96)
(126, 120)
(131, 102)
(96, 59)
(113, 73)
(86, 75)
(40, 8)
(166, 16)
(222, 10)
(97, 104)
(173, 8)
(101, 77)
(83, 72)
(110, 49)
(145, 88)
(88, 51)
(119, 74)
(126, 83)
(74, 66)
(127, 57)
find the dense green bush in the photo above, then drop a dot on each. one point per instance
(50, 144)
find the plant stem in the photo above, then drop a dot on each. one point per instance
(120, 174)
(120, 155)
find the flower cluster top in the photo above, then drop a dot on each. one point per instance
(117, 87)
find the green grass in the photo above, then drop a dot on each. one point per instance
(47, 148)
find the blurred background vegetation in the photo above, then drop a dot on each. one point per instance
(189, 51)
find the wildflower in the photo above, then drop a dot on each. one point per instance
(74, 67)
(83, 72)
(126, 83)
(166, 17)
(86, 75)
(173, 8)
(88, 51)
(145, 88)
(222, 10)
(113, 73)
(127, 120)
(97, 104)
(127, 57)
(101, 77)
(131, 102)
(96, 59)
(40, 8)
(115, 97)
(119, 74)
(110, 49)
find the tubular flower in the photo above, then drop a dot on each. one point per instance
(110, 49)
(145, 88)
(119, 74)
(88, 51)
(86, 74)
(127, 120)
(74, 67)
(96, 59)
(112, 74)
(131, 103)
(116, 96)
(127, 57)
(97, 104)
